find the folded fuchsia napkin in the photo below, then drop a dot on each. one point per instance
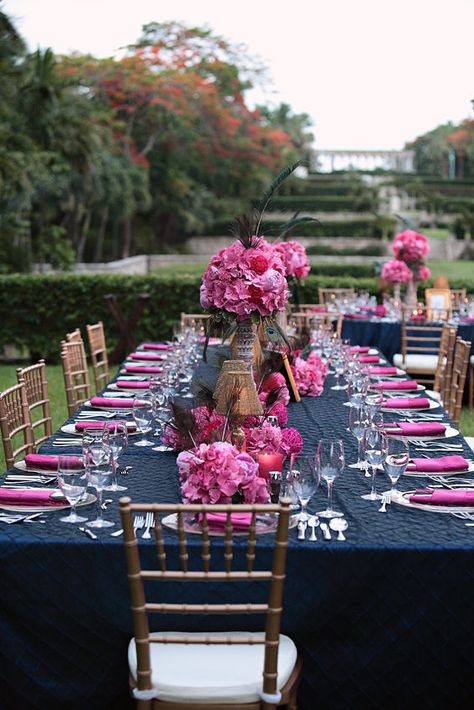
(443, 497)
(240, 521)
(357, 316)
(366, 359)
(31, 497)
(49, 461)
(467, 319)
(156, 346)
(112, 402)
(131, 385)
(406, 403)
(360, 349)
(212, 341)
(382, 370)
(80, 426)
(143, 369)
(405, 385)
(145, 356)
(443, 463)
(380, 311)
(415, 429)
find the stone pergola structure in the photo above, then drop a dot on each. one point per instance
(400, 161)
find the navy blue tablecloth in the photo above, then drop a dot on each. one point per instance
(382, 620)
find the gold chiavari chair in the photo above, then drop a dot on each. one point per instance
(194, 320)
(442, 378)
(98, 348)
(74, 337)
(461, 358)
(420, 347)
(458, 296)
(15, 422)
(311, 321)
(76, 375)
(36, 384)
(317, 308)
(202, 670)
(329, 295)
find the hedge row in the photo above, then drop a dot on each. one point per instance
(358, 271)
(364, 227)
(316, 203)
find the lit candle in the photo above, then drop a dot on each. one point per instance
(269, 462)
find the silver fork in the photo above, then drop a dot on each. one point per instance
(385, 500)
(138, 523)
(150, 521)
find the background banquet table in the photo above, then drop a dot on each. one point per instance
(387, 336)
(381, 620)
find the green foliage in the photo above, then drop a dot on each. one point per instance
(365, 227)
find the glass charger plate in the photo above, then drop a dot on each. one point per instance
(402, 499)
(266, 523)
(71, 429)
(433, 474)
(448, 434)
(45, 508)
(433, 405)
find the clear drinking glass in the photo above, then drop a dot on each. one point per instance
(359, 420)
(339, 370)
(330, 462)
(396, 460)
(374, 401)
(143, 417)
(304, 480)
(72, 482)
(116, 437)
(99, 476)
(375, 445)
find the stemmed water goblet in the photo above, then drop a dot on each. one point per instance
(375, 445)
(396, 460)
(359, 420)
(374, 401)
(304, 479)
(116, 437)
(339, 367)
(100, 474)
(72, 482)
(143, 417)
(330, 462)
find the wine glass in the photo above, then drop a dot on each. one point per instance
(396, 460)
(116, 437)
(73, 484)
(100, 475)
(330, 462)
(374, 401)
(339, 370)
(375, 445)
(359, 420)
(304, 480)
(143, 417)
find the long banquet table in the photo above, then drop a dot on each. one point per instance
(382, 620)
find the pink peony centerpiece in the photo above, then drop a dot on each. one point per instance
(396, 271)
(218, 473)
(294, 257)
(309, 376)
(270, 439)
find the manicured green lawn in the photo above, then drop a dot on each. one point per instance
(452, 269)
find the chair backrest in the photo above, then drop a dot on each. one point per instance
(445, 358)
(461, 359)
(458, 295)
(15, 422)
(98, 348)
(36, 384)
(141, 608)
(329, 295)
(420, 337)
(308, 308)
(194, 320)
(74, 337)
(76, 375)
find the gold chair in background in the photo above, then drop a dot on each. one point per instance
(74, 337)
(165, 666)
(453, 402)
(36, 385)
(15, 421)
(194, 320)
(98, 348)
(76, 375)
(420, 343)
(329, 295)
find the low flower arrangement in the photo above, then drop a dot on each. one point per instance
(309, 375)
(294, 258)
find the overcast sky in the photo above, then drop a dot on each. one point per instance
(371, 73)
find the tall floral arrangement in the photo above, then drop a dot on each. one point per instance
(412, 248)
(294, 257)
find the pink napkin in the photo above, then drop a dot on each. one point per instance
(383, 370)
(467, 319)
(143, 369)
(416, 429)
(131, 385)
(406, 403)
(112, 402)
(240, 521)
(380, 311)
(145, 356)
(156, 346)
(443, 463)
(357, 316)
(48, 461)
(212, 341)
(80, 426)
(443, 497)
(360, 349)
(369, 359)
(31, 497)
(405, 385)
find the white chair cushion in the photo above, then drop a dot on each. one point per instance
(200, 673)
(471, 359)
(470, 441)
(416, 363)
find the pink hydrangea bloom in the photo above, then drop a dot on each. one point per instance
(216, 473)
(314, 361)
(291, 441)
(264, 438)
(294, 257)
(209, 426)
(423, 273)
(243, 281)
(309, 380)
(410, 246)
(396, 271)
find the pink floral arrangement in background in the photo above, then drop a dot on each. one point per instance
(423, 273)
(270, 439)
(218, 473)
(410, 246)
(396, 271)
(309, 375)
(241, 281)
(294, 257)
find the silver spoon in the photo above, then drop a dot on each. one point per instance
(339, 525)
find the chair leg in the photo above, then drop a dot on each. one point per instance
(471, 387)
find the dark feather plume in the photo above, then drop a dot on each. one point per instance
(277, 182)
(271, 363)
(183, 421)
(244, 229)
(273, 397)
(204, 394)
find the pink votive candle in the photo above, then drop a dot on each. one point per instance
(269, 462)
